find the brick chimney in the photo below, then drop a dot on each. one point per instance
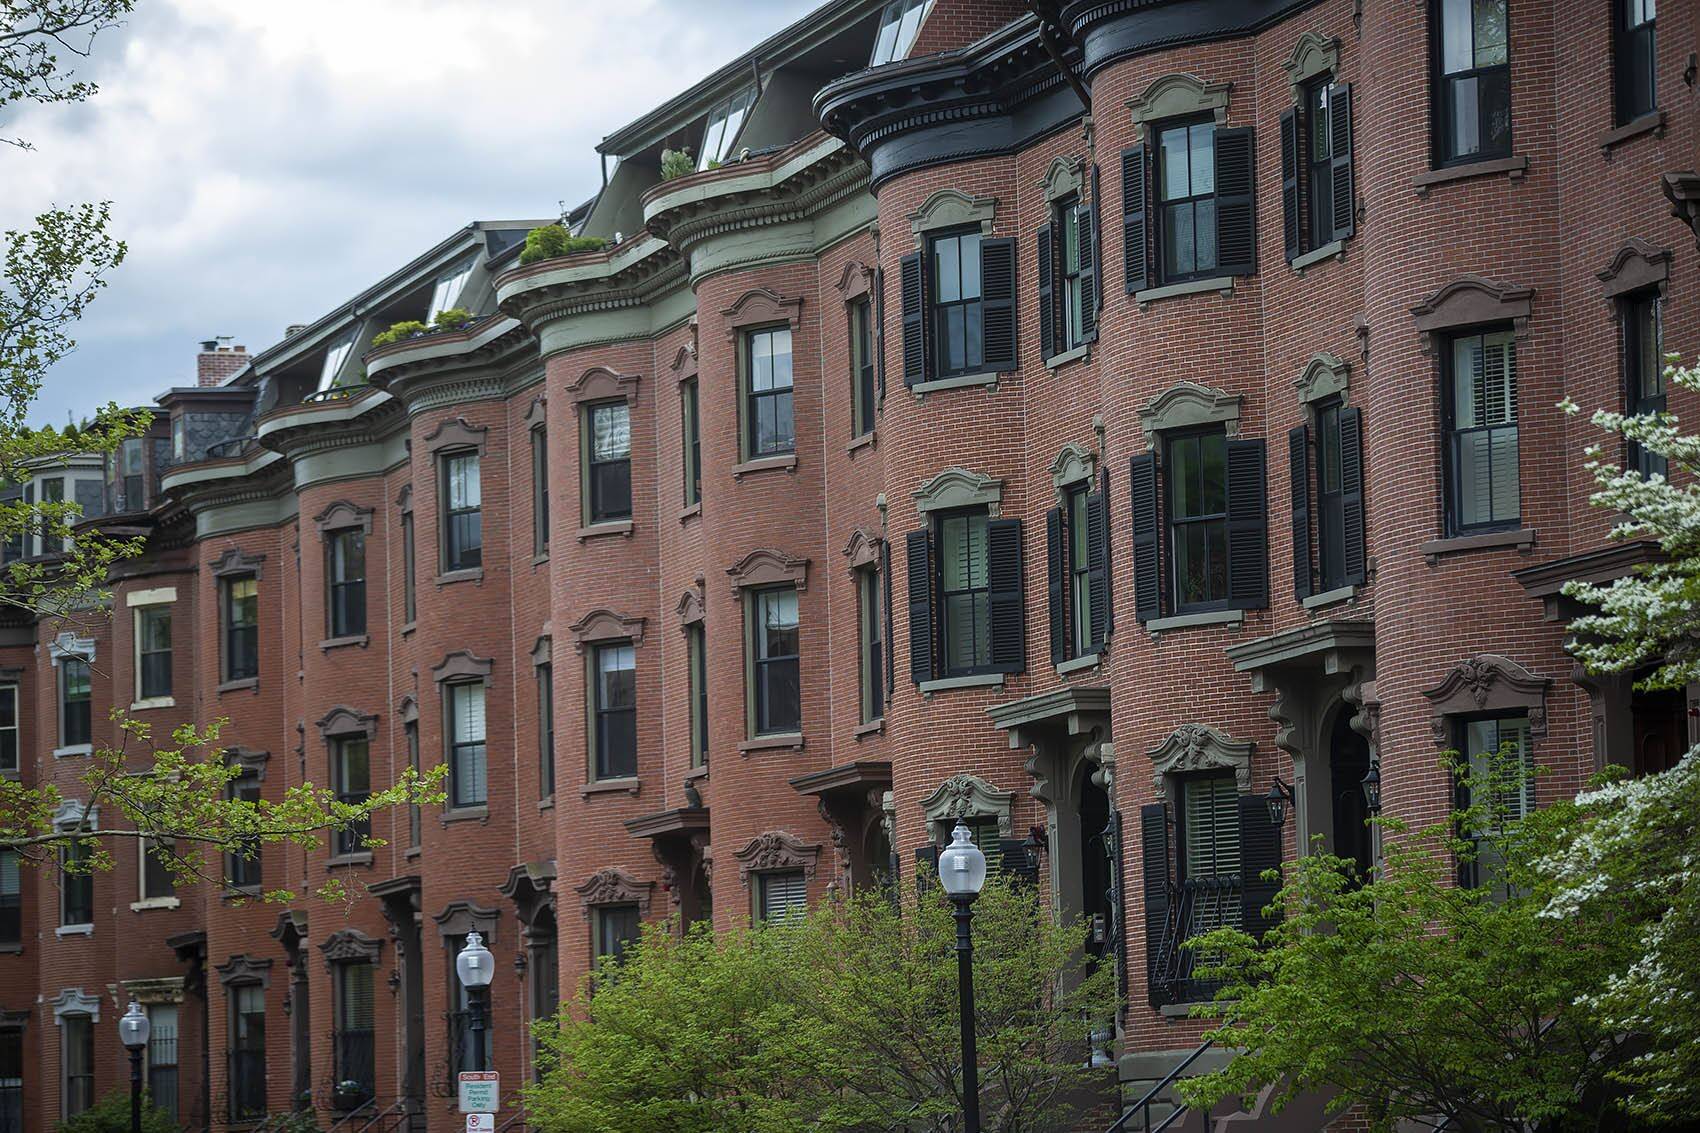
(215, 363)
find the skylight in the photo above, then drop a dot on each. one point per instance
(335, 356)
(899, 24)
(448, 289)
(723, 126)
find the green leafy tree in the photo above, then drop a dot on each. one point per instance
(845, 1019)
(111, 1114)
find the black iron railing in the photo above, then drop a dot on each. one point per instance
(1196, 906)
(247, 1084)
(236, 446)
(355, 1075)
(1141, 1109)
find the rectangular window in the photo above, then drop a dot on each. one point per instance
(870, 616)
(608, 471)
(243, 868)
(415, 817)
(1072, 225)
(162, 1058)
(1643, 371)
(76, 1036)
(127, 463)
(546, 730)
(76, 884)
(468, 773)
(1198, 519)
(539, 491)
(248, 1052)
(1319, 159)
(156, 873)
(1210, 843)
(1186, 195)
(1079, 574)
(409, 571)
(463, 515)
(153, 652)
(241, 602)
(53, 527)
(781, 895)
(1481, 407)
(351, 774)
(770, 429)
(1484, 742)
(447, 291)
(1472, 96)
(613, 717)
(958, 314)
(1330, 496)
(354, 1038)
(774, 659)
(965, 629)
(11, 900)
(724, 123)
(76, 723)
(8, 728)
(345, 552)
(691, 429)
(12, 1079)
(1637, 59)
(617, 927)
(864, 389)
(696, 645)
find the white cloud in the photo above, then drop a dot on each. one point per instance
(266, 161)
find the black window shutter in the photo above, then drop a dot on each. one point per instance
(997, 292)
(1109, 560)
(918, 545)
(1054, 584)
(1004, 597)
(1260, 850)
(1298, 459)
(1352, 492)
(1014, 862)
(1290, 183)
(1147, 559)
(1094, 299)
(1088, 229)
(912, 289)
(1236, 209)
(1340, 168)
(1154, 853)
(927, 867)
(1248, 523)
(890, 648)
(1098, 566)
(879, 332)
(1136, 240)
(1047, 289)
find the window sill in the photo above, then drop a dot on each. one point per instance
(1653, 123)
(360, 639)
(547, 803)
(786, 463)
(74, 930)
(241, 893)
(11, 949)
(868, 439)
(871, 728)
(1182, 1010)
(1079, 664)
(1522, 538)
(1330, 597)
(154, 903)
(541, 558)
(247, 682)
(1333, 250)
(450, 577)
(946, 684)
(964, 381)
(793, 740)
(1081, 353)
(153, 702)
(692, 512)
(1513, 167)
(1220, 283)
(360, 857)
(698, 772)
(411, 852)
(408, 627)
(630, 785)
(74, 749)
(466, 814)
(1188, 621)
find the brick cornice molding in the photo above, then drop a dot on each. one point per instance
(767, 567)
(774, 850)
(603, 624)
(1199, 747)
(350, 946)
(343, 721)
(1487, 682)
(599, 383)
(1637, 266)
(1471, 300)
(613, 886)
(759, 307)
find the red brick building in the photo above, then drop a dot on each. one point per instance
(1074, 426)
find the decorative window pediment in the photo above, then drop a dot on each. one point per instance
(236, 561)
(70, 813)
(461, 917)
(1324, 376)
(684, 363)
(1313, 55)
(776, 850)
(537, 415)
(957, 488)
(1065, 177)
(1180, 95)
(1199, 747)
(693, 604)
(863, 549)
(161, 989)
(855, 281)
(1636, 267)
(345, 721)
(543, 653)
(291, 929)
(252, 762)
(967, 796)
(245, 969)
(342, 515)
(408, 710)
(350, 946)
(605, 625)
(404, 499)
(1471, 300)
(759, 306)
(74, 1001)
(1073, 464)
(454, 432)
(767, 567)
(462, 665)
(599, 383)
(1188, 405)
(952, 208)
(1487, 682)
(70, 645)
(613, 886)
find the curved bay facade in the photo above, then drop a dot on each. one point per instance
(1077, 427)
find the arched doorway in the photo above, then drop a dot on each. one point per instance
(1348, 755)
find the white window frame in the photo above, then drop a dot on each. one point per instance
(446, 292)
(731, 116)
(143, 902)
(139, 602)
(336, 357)
(903, 20)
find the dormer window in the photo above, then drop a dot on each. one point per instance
(723, 127)
(335, 357)
(899, 24)
(447, 291)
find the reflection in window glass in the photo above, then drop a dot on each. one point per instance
(899, 24)
(767, 362)
(1187, 166)
(447, 291)
(723, 126)
(957, 309)
(964, 602)
(1198, 519)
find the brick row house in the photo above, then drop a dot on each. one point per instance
(1080, 425)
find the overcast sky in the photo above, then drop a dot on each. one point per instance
(268, 160)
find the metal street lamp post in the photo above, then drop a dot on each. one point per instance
(962, 872)
(476, 967)
(133, 1030)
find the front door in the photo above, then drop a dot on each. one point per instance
(1349, 762)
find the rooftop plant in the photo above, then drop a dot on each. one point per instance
(553, 240)
(398, 331)
(676, 163)
(451, 319)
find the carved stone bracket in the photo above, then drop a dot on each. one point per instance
(1682, 189)
(1199, 747)
(776, 850)
(968, 796)
(614, 886)
(1487, 682)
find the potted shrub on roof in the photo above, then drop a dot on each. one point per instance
(553, 241)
